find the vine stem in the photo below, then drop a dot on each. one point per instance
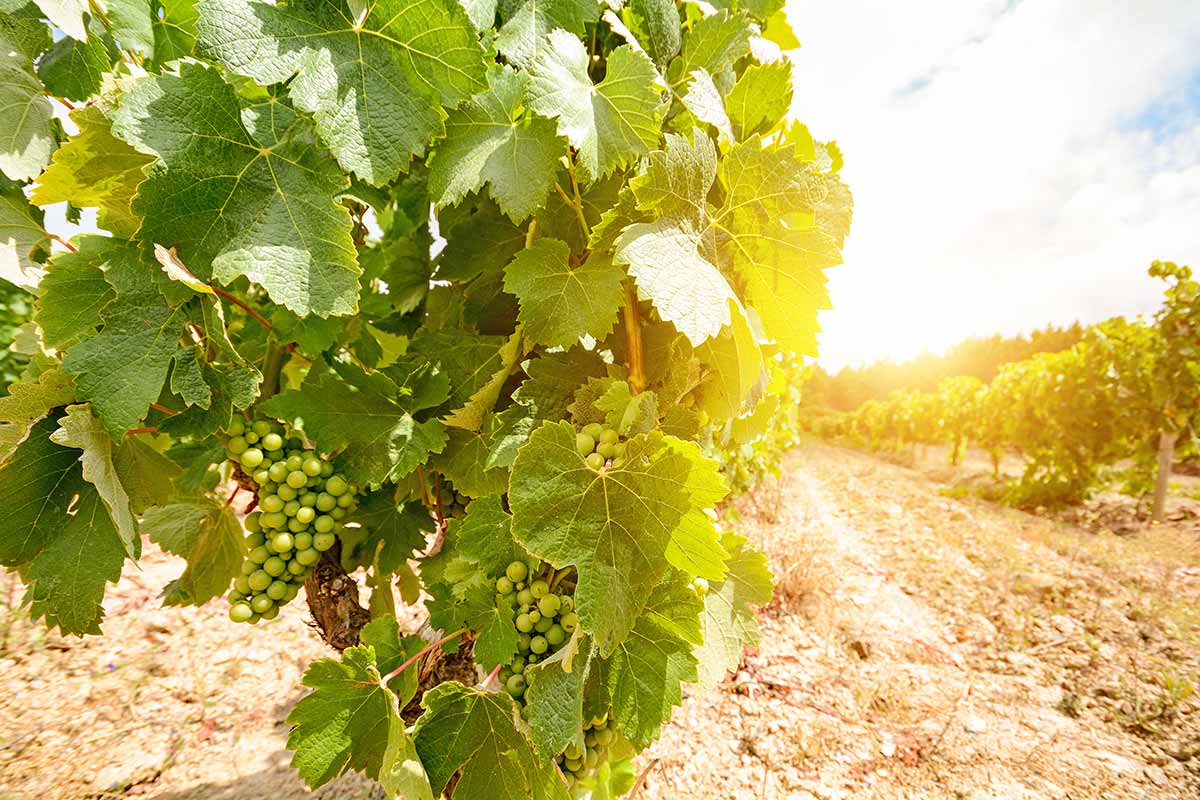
(137, 431)
(491, 675)
(577, 204)
(272, 366)
(633, 341)
(237, 301)
(163, 409)
(64, 243)
(386, 679)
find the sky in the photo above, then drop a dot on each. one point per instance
(1013, 163)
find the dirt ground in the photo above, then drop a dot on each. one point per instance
(920, 645)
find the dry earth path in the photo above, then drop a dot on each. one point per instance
(919, 646)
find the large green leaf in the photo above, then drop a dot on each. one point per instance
(235, 202)
(28, 402)
(375, 76)
(27, 140)
(729, 621)
(23, 242)
(527, 23)
(208, 536)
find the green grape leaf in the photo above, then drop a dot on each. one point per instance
(481, 240)
(74, 69)
(401, 773)
(527, 23)
(208, 535)
(130, 23)
(625, 412)
(28, 140)
(468, 359)
(760, 98)
(614, 220)
(375, 76)
(478, 407)
(554, 697)
(22, 240)
(779, 31)
(73, 292)
(147, 475)
(363, 416)
(656, 25)
(704, 100)
(609, 123)
(80, 430)
(26, 403)
(713, 44)
(473, 733)
(57, 532)
(174, 23)
(345, 722)
(553, 380)
(122, 369)
(394, 530)
(187, 377)
(729, 621)
(760, 9)
(562, 303)
(464, 461)
(66, 15)
(492, 140)
(235, 203)
(735, 367)
(642, 679)
(95, 169)
(614, 526)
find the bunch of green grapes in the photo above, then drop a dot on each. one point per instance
(453, 502)
(301, 507)
(600, 446)
(544, 619)
(578, 763)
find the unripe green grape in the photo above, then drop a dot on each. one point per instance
(308, 499)
(514, 683)
(296, 479)
(338, 514)
(255, 540)
(240, 612)
(569, 622)
(589, 739)
(604, 737)
(543, 625)
(294, 462)
(251, 522)
(261, 604)
(517, 666)
(539, 589)
(302, 541)
(274, 521)
(523, 641)
(566, 603)
(593, 429)
(281, 542)
(504, 585)
(236, 446)
(275, 566)
(609, 436)
(292, 591)
(291, 507)
(272, 504)
(516, 571)
(267, 488)
(323, 524)
(249, 566)
(308, 557)
(236, 428)
(326, 469)
(573, 764)
(323, 541)
(524, 623)
(538, 645)
(276, 590)
(525, 597)
(606, 450)
(295, 526)
(345, 501)
(595, 461)
(584, 444)
(272, 442)
(278, 472)
(251, 437)
(285, 493)
(534, 615)
(326, 502)
(295, 567)
(336, 485)
(252, 458)
(242, 584)
(619, 450)
(271, 613)
(261, 476)
(259, 554)
(311, 466)
(235, 596)
(556, 635)
(261, 427)
(259, 580)
(548, 604)
(305, 515)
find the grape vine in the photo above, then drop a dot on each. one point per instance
(479, 308)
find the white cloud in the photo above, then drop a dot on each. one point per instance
(1013, 164)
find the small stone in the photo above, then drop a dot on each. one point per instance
(888, 748)
(975, 725)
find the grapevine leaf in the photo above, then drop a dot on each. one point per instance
(208, 535)
(704, 100)
(147, 475)
(73, 69)
(491, 139)
(394, 530)
(26, 403)
(554, 698)
(375, 76)
(735, 366)
(122, 369)
(80, 430)
(363, 416)
(779, 31)
(67, 16)
(729, 621)
(95, 168)
(233, 203)
(401, 773)
(187, 378)
(656, 24)
(553, 379)
(130, 23)
(468, 359)
(478, 407)
(609, 123)
(58, 532)
(72, 294)
(481, 240)
(760, 98)
(614, 220)
(760, 9)
(713, 44)
(528, 22)
(643, 677)
(473, 733)
(481, 12)
(464, 461)
(22, 239)
(27, 141)
(628, 413)
(174, 24)
(561, 304)
(345, 722)
(614, 525)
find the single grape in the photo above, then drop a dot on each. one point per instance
(609, 436)
(308, 557)
(346, 501)
(236, 596)
(261, 604)
(240, 612)
(584, 444)
(539, 589)
(242, 584)
(275, 566)
(261, 476)
(272, 442)
(326, 502)
(305, 515)
(236, 446)
(504, 585)
(294, 462)
(252, 458)
(295, 567)
(538, 645)
(543, 625)
(595, 461)
(516, 571)
(336, 485)
(338, 514)
(534, 615)
(555, 635)
(525, 597)
(255, 540)
(260, 580)
(272, 504)
(261, 427)
(569, 622)
(236, 428)
(548, 604)
(514, 683)
(524, 623)
(296, 479)
(523, 641)
(248, 566)
(285, 492)
(302, 541)
(604, 737)
(292, 591)
(281, 542)
(606, 450)
(259, 554)
(274, 521)
(323, 524)
(312, 466)
(308, 499)
(271, 613)
(593, 429)
(323, 541)
(251, 437)
(295, 526)
(326, 469)
(277, 590)
(291, 507)
(517, 665)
